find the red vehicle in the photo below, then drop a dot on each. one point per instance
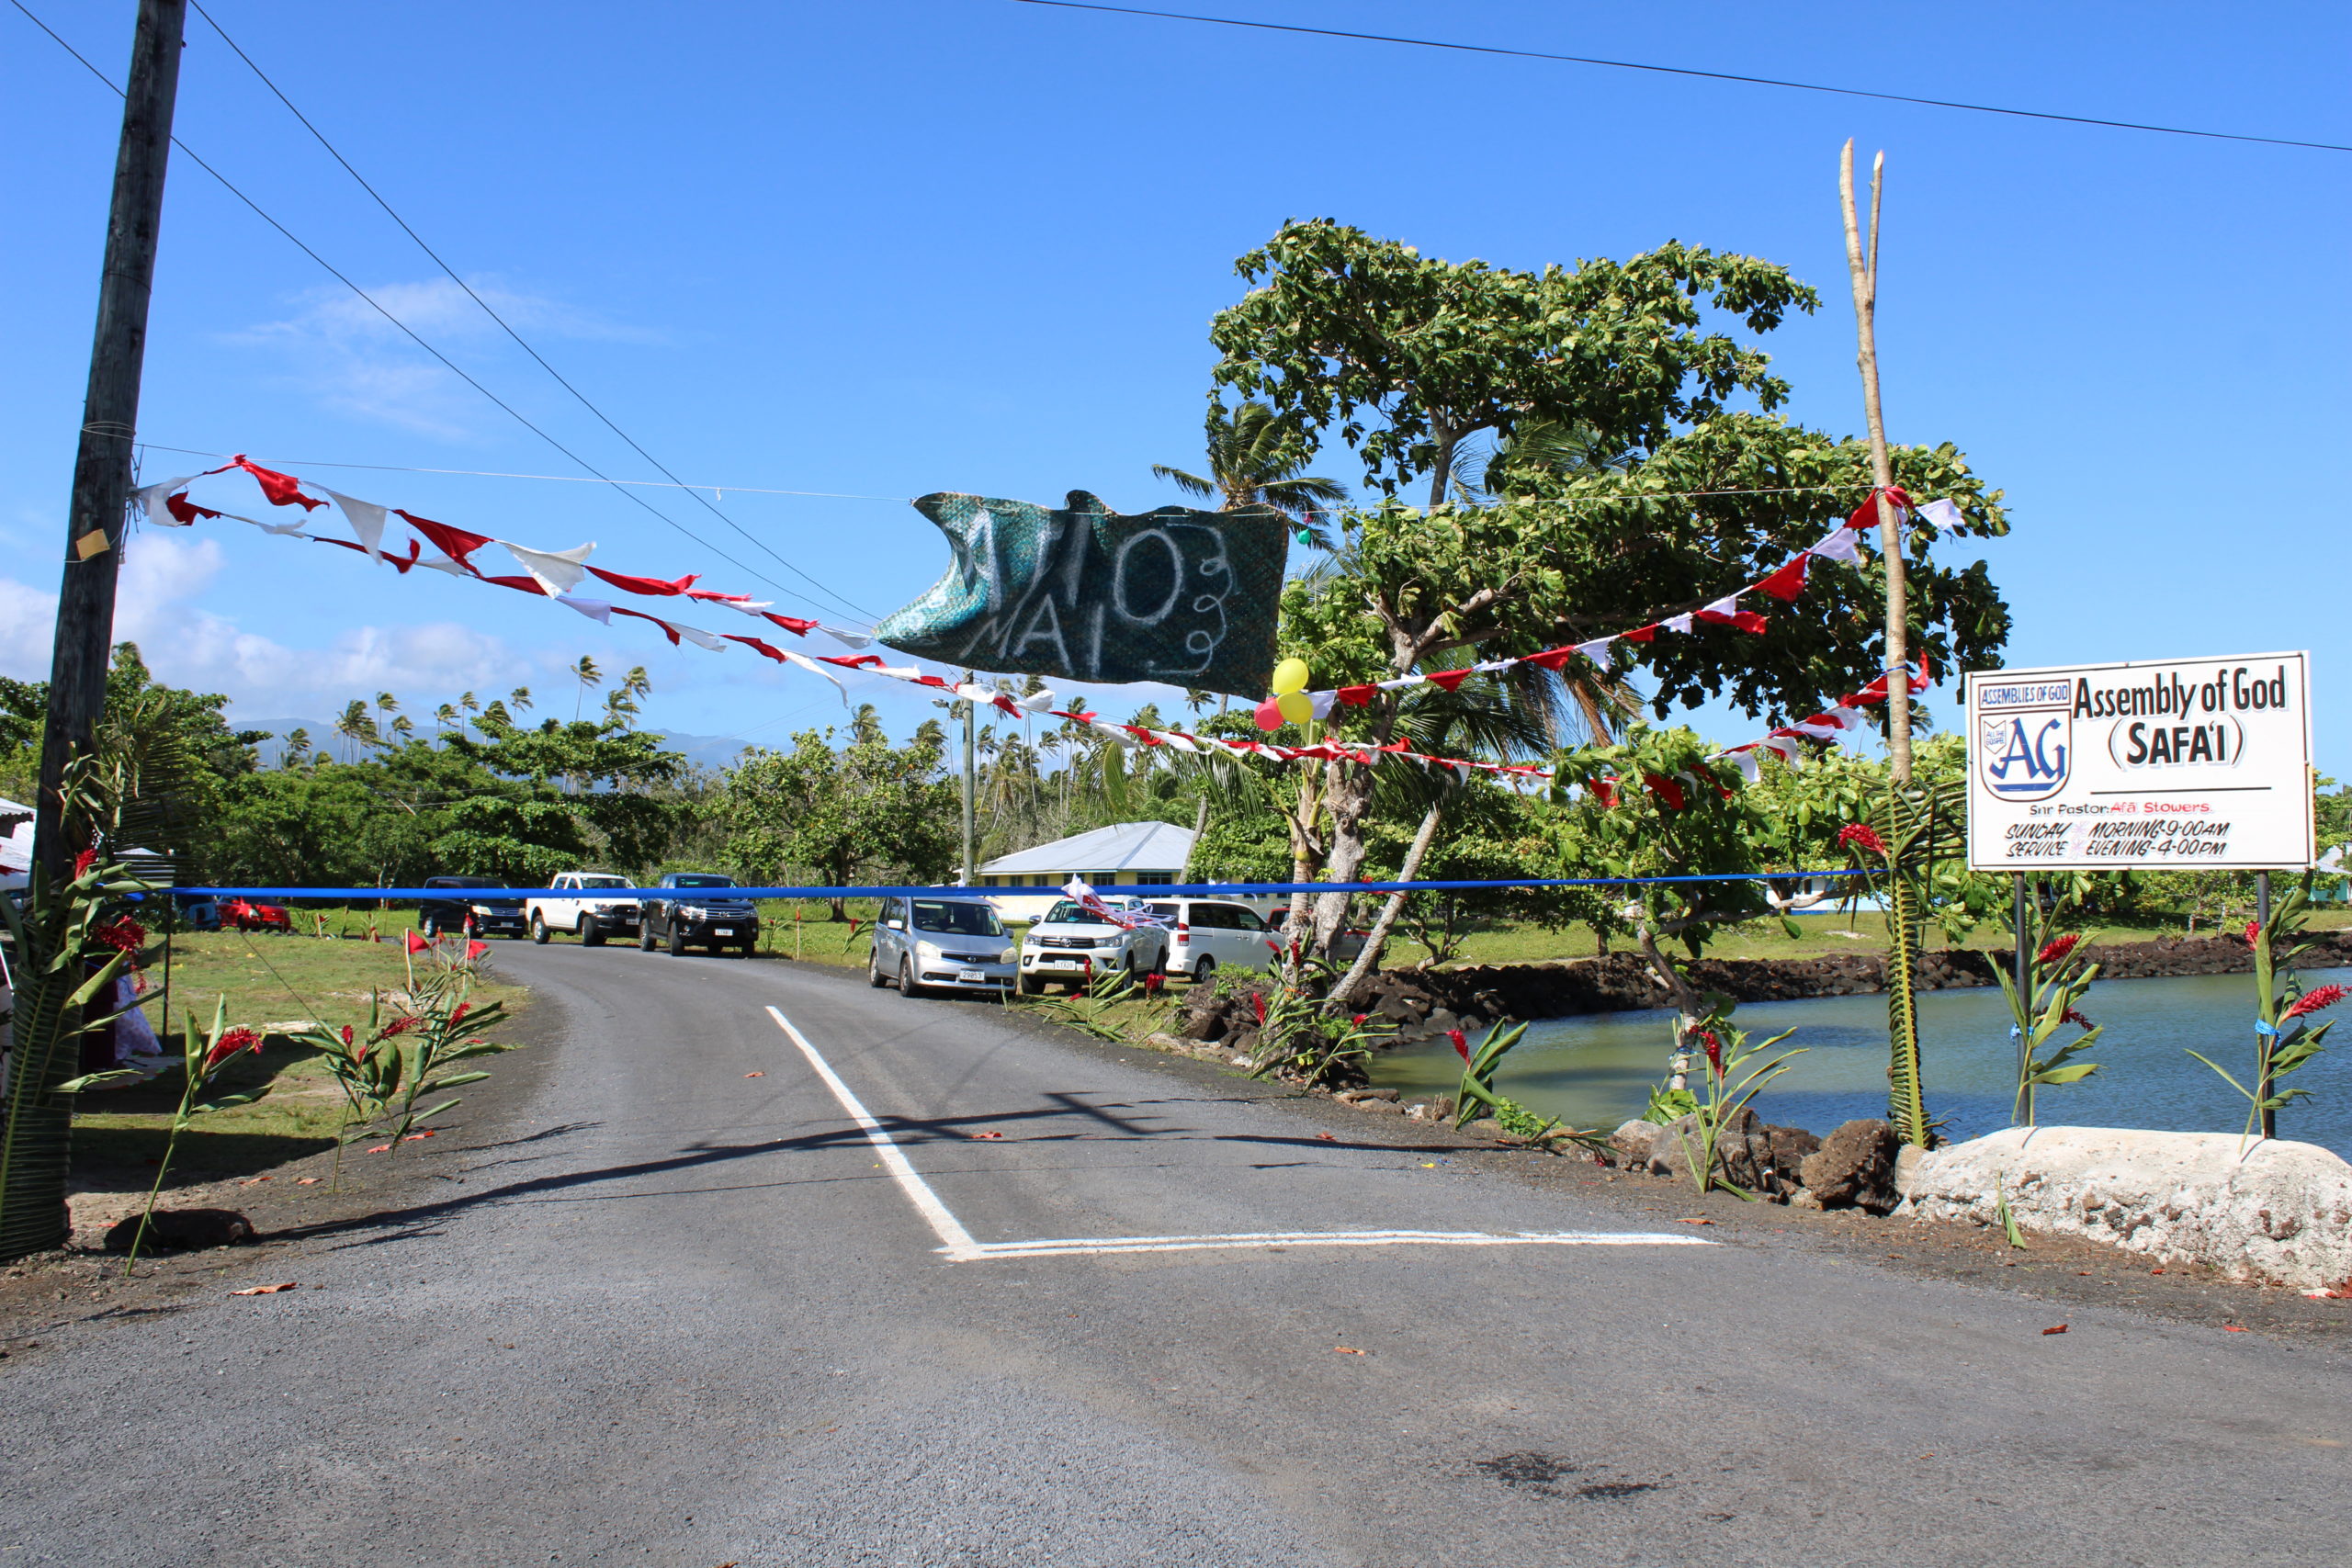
(244, 915)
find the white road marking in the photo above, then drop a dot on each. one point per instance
(954, 1240)
(957, 1246)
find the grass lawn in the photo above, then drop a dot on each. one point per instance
(269, 983)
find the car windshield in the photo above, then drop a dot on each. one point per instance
(604, 882)
(956, 918)
(1068, 913)
(702, 881)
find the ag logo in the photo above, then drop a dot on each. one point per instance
(2025, 756)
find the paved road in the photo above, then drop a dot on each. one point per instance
(699, 1318)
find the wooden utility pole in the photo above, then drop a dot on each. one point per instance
(95, 518)
(1864, 268)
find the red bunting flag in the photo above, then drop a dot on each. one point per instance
(283, 490)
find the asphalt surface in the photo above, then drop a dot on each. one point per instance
(678, 1313)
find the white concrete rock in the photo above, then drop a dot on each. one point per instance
(2277, 1211)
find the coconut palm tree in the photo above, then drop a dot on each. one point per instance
(466, 704)
(354, 724)
(1255, 458)
(296, 749)
(588, 676)
(519, 699)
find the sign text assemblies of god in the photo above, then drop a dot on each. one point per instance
(2180, 764)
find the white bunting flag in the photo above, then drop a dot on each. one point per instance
(558, 572)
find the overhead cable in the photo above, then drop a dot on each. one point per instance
(1688, 71)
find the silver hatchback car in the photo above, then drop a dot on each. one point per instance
(945, 944)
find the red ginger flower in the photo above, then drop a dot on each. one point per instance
(2312, 1000)
(2056, 953)
(1358, 1018)
(2073, 1016)
(398, 1026)
(81, 861)
(462, 1008)
(1258, 1001)
(346, 1034)
(1862, 833)
(1461, 1043)
(228, 1045)
(1709, 1042)
(125, 935)
(2253, 933)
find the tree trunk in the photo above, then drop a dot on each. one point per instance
(1689, 1009)
(1368, 961)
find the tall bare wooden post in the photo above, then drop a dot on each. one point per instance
(1863, 266)
(77, 672)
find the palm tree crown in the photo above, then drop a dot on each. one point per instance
(1255, 458)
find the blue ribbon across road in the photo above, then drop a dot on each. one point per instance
(931, 890)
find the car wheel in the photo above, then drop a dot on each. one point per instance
(907, 987)
(538, 930)
(645, 937)
(1029, 988)
(592, 932)
(873, 976)
(1205, 971)
(429, 927)
(677, 942)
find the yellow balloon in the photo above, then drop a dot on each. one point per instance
(1290, 675)
(1296, 707)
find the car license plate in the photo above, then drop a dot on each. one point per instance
(970, 977)
(722, 930)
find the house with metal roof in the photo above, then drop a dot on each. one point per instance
(1126, 854)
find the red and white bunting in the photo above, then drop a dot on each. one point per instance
(1784, 583)
(553, 574)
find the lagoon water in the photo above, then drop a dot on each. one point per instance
(1595, 1070)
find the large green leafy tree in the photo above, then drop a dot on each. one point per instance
(1406, 359)
(178, 756)
(838, 814)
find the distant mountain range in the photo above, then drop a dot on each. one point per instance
(703, 750)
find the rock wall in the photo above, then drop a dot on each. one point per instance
(1623, 982)
(2268, 1209)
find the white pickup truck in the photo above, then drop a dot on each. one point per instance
(570, 904)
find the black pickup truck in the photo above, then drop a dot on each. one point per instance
(698, 909)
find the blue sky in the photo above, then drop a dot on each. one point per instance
(970, 244)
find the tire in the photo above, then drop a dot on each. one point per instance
(907, 987)
(677, 942)
(429, 927)
(1205, 971)
(645, 936)
(873, 976)
(538, 929)
(592, 934)
(1028, 986)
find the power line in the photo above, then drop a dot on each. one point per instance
(553, 479)
(226, 184)
(503, 324)
(1687, 71)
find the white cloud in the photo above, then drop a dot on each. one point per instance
(186, 645)
(344, 352)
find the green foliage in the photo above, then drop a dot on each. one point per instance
(1479, 1064)
(62, 967)
(1255, 456)
(407, 1057)
(1730, 1083)
(1298, 1041)
(203, 1056)
(2285, 1039)
(1410, 357)
(1654, 804)
(2056, 982)
(1920, 827)
(868, 807)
